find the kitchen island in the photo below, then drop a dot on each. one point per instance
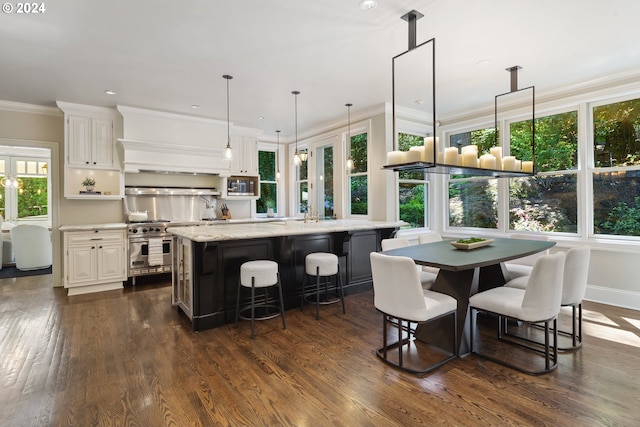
(207, 259)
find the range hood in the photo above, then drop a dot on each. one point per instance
(175, 143)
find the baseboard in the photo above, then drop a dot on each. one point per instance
(615, 297)
(80, 290)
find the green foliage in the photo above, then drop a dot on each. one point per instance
(359, 202)
(411, 199)
(358, 152)
(617, 133)
(88, 182)
(30, 201)
(623, 219)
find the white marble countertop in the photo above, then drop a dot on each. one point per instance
(231, 231)
(90, 227)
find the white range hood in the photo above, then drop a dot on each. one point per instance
(168, 142)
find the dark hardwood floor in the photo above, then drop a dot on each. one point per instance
(127, 358)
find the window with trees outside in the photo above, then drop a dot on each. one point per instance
(548, 201)
(616, 169)
(268, 184)
(302, 187)
(473, 201)
(412, 187)
(358, 178)
(24, 195)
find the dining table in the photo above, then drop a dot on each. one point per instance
(462, 273)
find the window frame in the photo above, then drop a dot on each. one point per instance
(355, 131)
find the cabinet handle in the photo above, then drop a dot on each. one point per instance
(87, 163)
(93, 247)
(100, 247)
(96, 238)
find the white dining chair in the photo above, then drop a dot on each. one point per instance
(427, 277)
(430, 237)
(538, 303)
(522, 266)
(403, 302)
(574, 286)
(32, 246)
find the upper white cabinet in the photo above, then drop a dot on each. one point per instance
(90, 152)
(245, 155)
(89, 139)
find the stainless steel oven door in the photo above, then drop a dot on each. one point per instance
(141, 263)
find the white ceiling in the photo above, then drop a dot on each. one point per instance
(168, 54)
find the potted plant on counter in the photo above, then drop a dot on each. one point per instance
(89, 184)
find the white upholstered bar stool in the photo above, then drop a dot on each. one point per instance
(326, 266)
(428, 275)
(260, 274)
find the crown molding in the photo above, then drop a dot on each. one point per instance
(30, 108)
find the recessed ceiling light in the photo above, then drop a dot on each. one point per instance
(110, 92)
(368, 4)
(195, 107)
(261, 118)
(483, 62)
(419, 101)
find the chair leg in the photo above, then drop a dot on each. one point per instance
(400, 342)
(253, 306)
(284, 324)
(238, 302)
(384, 336)
(318, 293)
(341, 290)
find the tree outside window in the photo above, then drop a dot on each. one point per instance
(546, 202)
(358, 178)
(268, 184)
(412, 186)
(616, 175)
(473, 202)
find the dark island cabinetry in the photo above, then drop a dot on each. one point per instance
(215, 266)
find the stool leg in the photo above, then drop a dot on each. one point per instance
(341, 290)
(284, 324)
(305, 283)
(238, 303)
(318, 293)
(253, 305)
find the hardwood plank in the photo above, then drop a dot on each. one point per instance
(126, 357)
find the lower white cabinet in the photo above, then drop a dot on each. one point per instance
(94, 260)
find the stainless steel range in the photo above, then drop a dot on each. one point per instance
(150, 248)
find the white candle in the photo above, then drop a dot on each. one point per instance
(470, 159)
(395, 157)
(451, 155)
(440, 157)
(428, 149)
(497, 153)
(419, 148)
(488, 161)
(470, 148)
(413, 155)
(518, 165)
(527, 166)
(508, 163)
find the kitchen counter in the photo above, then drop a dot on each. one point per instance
(207, 260)
(90, 227)
(274, 228)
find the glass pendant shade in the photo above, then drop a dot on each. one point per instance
(228, 153)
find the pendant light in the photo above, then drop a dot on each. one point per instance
(349, 160)
(227, 152)
(296, 156)
(278, 156)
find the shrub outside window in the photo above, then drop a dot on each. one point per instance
(268, 184)
(412, 187)
(358, 178)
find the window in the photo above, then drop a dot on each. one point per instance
(412, 187)
(302, 186)
(546, 202)
(24, 195)
(616, 172)
(268, 184)
(358, 178)
(473, 201)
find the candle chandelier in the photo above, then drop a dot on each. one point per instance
(427, 158)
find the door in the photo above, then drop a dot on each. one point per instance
(82, 264)
(111, 261)
(323, 179)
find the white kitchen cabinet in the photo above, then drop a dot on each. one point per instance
(245, 155)
(94, 260)
(90, 142)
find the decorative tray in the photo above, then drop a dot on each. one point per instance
(472, 243)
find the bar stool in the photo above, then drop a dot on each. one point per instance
(325, 265)
(260, 274)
